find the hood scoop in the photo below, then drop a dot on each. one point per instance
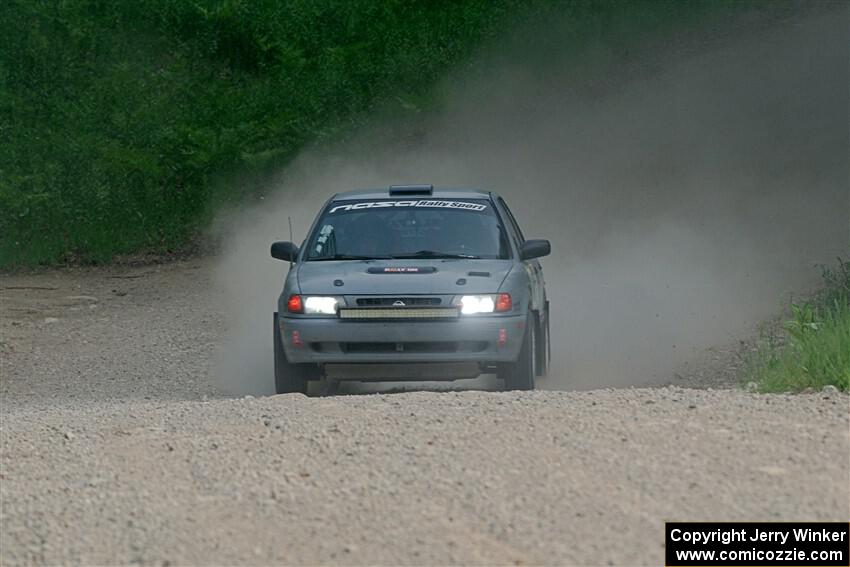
(478, 274)
(402, 270)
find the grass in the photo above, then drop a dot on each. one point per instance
(120, 121)
(814, 349)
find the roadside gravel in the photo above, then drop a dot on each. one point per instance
(72, 336)
(116, 449)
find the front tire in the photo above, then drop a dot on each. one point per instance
(289, 378)
(519, 375)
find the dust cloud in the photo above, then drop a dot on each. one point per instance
(688, 189)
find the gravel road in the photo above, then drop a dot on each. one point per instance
(116, 448)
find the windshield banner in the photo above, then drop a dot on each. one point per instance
(428, 204)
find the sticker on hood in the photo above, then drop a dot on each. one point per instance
(402, 270)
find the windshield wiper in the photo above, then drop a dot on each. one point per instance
(431, 254)
(348, 257)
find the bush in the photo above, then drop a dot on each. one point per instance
(815, 348)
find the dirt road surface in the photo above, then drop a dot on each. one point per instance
(116, 448)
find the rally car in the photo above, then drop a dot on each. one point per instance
(412, 283)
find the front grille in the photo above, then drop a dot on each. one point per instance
(399, 313)
(392, 301)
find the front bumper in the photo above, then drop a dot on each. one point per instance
(484, 339)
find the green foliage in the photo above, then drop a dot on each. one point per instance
(117, 117)
(816, 347)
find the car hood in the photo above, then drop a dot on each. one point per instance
(391, 277)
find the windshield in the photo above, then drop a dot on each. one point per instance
(433, 228)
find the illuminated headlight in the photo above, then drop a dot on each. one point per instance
(313, 304)
(490, 303)
(472, 304)
(318, 305)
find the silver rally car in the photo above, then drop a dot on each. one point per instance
(412, 283)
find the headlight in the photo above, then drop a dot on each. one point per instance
(319, 305)
(313, 304)
(474, 304)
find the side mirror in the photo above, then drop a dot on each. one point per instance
(286, 251)
(535, 249)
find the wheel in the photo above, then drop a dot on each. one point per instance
(519, 375)
(289, 377)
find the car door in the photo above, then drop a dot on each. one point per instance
(532, 267)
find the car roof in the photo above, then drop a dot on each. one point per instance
(437, 193)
